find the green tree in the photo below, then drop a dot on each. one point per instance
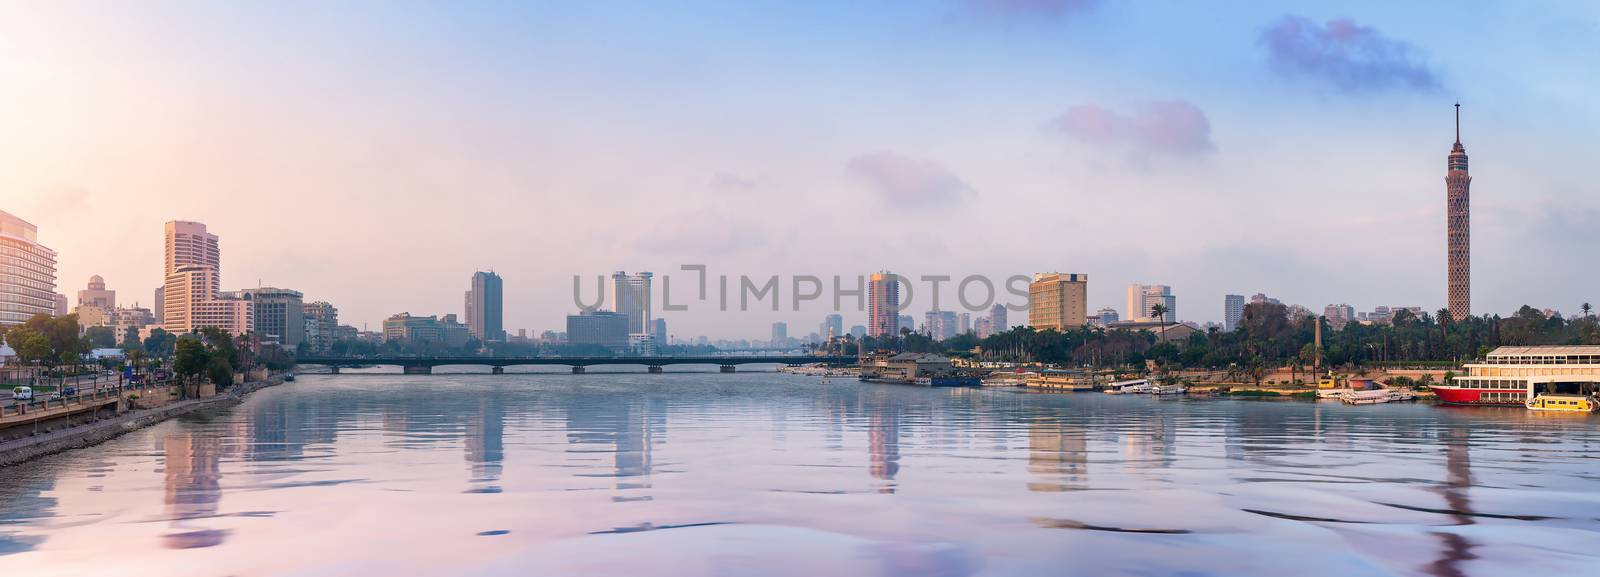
(160, 344)
(101, 337)
(220, 372)
(1160, 312)
(130, 339)
(190, 357)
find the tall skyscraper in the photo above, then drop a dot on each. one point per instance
(964, 323)
(1458, 227)
(1232, 311)
(659, 331)
(1058, 301)
(997, 319)
(632, 297)
(192, 297)
(780, 331)
(31, 267)
(883, 305)
(486, 313)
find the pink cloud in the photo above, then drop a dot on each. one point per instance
(906, 181)
(1169, 128)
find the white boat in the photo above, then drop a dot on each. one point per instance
(1367, 397)
(1168, 390)
(1135, 387)
(1332, 393)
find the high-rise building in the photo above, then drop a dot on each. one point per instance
(321, 318)
(883, 305)
(192, 297)
(609, 329)
(1232, 311)
(905, 322)
(659, 331)
(160, 303)
(61, 305)
(1142, 299)
(941, 324)
(279, 315)
(1108, 315)
(486, 312)
(1339, 315)
(1458, 228)
(29, 269)
(780, 332)
(964, 323)
(997, 319)
(833, 326)
(1058, 301)
(96, 295)
(983, 328)
(189, 244)
(632, 298)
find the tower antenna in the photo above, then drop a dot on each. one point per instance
(1458, 122)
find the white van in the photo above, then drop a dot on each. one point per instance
(22, 393)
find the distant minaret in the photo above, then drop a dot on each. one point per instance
(1458, 227)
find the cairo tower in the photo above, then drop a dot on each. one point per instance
(1458, 226)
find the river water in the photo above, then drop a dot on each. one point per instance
(772, 474)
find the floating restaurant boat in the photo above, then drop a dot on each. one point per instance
(1173, 389)
(1060, 380)
(1512, 376)
(925, 369)
(1562, 403)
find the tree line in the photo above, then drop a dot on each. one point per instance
(1267, 335)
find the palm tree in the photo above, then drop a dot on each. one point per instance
(1160, 312)
(1585, 308)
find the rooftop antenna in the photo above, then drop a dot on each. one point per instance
(1458, 122)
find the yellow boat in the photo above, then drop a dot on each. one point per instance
(1562, 403)
(1060, 381)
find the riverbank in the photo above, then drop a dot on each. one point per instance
(89, 434)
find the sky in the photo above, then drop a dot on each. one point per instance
(376, 154)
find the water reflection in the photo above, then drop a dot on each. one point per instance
(1456, 549)
(761, 474)
(193, 489)
(883, 442)
(625, 431)
(486, 444)
(1058, 456)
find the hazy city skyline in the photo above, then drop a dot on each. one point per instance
(1292, 149)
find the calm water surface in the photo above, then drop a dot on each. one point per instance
(773, 474)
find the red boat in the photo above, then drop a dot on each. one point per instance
(1455, 394)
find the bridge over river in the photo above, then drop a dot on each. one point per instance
(425, 365)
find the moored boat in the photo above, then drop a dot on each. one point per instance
(1367, 397)
(1061, 381)
(1562, 403)
(1173, 389)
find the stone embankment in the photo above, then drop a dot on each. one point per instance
(104, 429)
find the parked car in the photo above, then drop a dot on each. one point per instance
(69, 391)
(22, 393)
